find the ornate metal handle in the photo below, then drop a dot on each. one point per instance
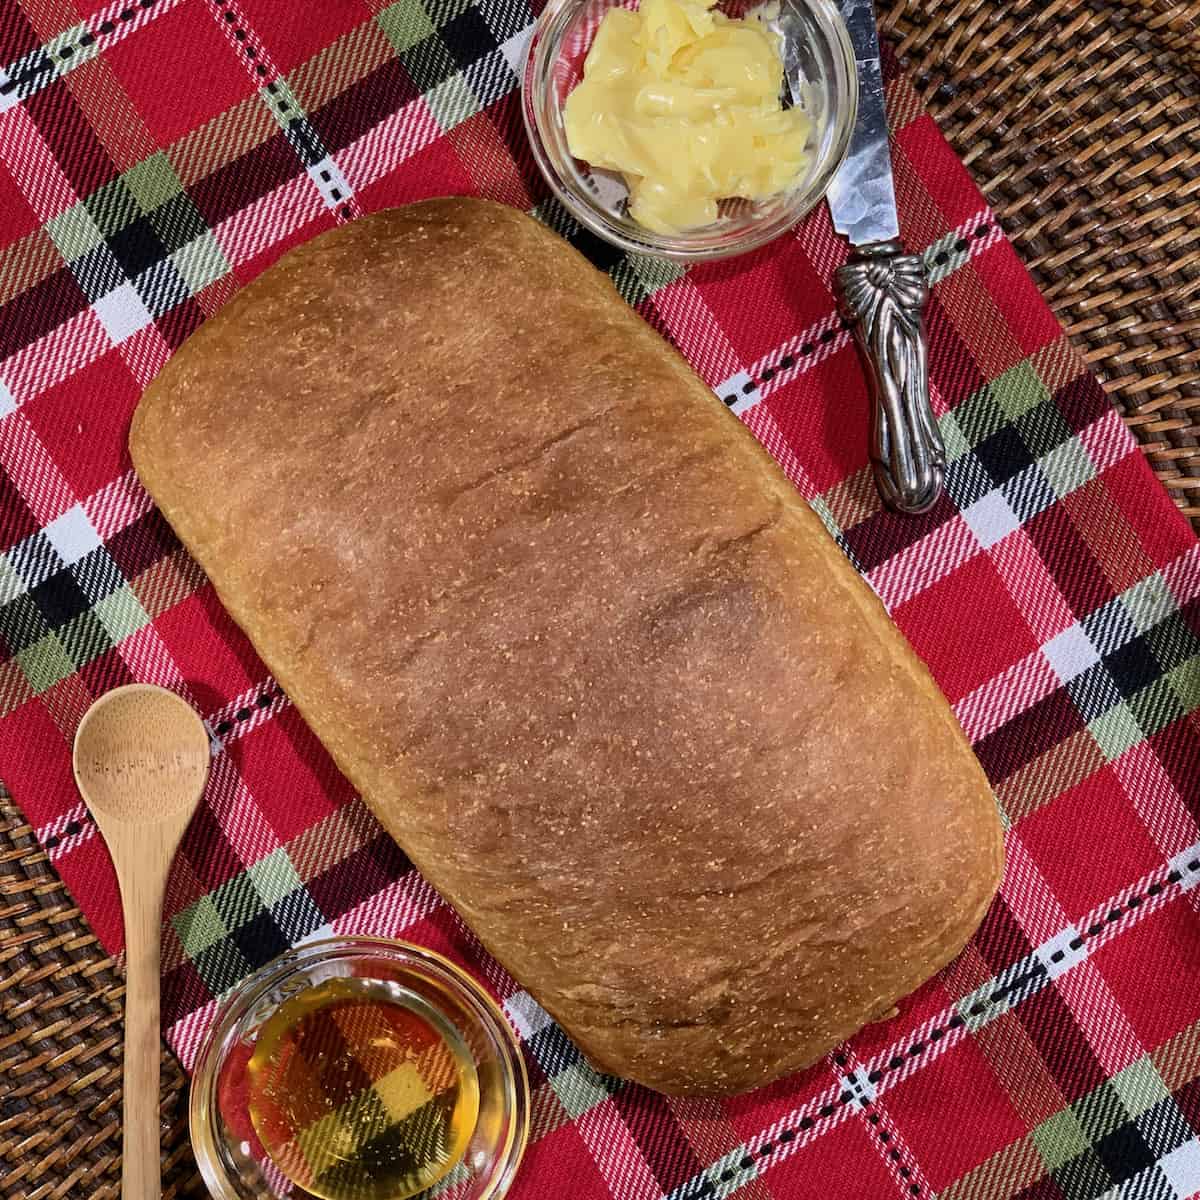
(883, 292)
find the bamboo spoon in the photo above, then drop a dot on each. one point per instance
(141, 761)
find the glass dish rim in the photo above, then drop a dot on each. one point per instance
(214, 1046)
(535, 77)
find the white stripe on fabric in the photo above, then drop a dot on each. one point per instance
(231, 803)
(117, 505)
(922, 564)
(392, 142)
(64, 350)
(1002, 697)
(269, 220)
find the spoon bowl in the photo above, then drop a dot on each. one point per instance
(141, 760)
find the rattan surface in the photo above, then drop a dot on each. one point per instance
(60, 1043)
(1081, 122)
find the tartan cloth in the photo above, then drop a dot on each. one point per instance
(159, 153)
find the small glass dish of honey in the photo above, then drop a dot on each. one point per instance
(359, 1069)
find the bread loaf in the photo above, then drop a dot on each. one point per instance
(577, 641)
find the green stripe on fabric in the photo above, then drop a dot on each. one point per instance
(199, 926)
(281, 101)
(452, 102)
(121, 613)
(76, 56)
(237, 901)
(222, 966)
(579, 1088)
(153, 181)
(112, 207)
(1148, 602)
(1100, 1112)
(274, 877)
(405, 24)
(944, 249)
(953, 437)
(84, 638)
(74, 232)
(1067, 467)
(1140, 1086)
(201, 262)
(822, 509)
(1019, 389)
(1059, 1139)
(1115, 731)
(655, 273)
(1158, 704)
(11, 584)
(45, 663)
(1185, 683)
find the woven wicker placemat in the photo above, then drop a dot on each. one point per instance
(1081, 122)
(60, 1043)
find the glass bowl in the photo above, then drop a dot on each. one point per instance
(225, 1129)
(817, 51)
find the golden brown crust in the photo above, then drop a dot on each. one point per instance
(583, 649)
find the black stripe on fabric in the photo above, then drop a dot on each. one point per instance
(553, 1050)
(74, 143)
(505, 18)
(97, 575)
(1029, 493)
(16, 521)
(162, 288)
(490, 78)
(304, 139)
(248, 178)
(22, 624)
(352, 113)
(34, 313)
(98, 272)
(967, 481)
(1028, 735)
(1109, 627)
(1094, 692)
(34, 559)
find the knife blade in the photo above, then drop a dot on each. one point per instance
(883, 291)
(862, 197)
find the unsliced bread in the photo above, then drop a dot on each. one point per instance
(584, 650)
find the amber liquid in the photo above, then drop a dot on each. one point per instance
(360, 1090)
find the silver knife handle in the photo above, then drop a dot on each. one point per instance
(883, 293)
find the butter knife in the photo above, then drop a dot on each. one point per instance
(882, 292)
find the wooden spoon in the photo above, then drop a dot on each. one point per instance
(141, 761)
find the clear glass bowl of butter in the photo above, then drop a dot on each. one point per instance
(690, 134)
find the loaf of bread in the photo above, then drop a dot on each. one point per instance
(582, 648)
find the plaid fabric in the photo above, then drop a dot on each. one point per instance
(159, 153)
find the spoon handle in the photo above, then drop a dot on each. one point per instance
(141, 1177)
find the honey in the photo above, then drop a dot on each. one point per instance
(358, 1089)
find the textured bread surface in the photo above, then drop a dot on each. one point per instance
(578, 642)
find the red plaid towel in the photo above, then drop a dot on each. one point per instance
(159, 153)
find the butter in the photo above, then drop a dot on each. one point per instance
(684, 102)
